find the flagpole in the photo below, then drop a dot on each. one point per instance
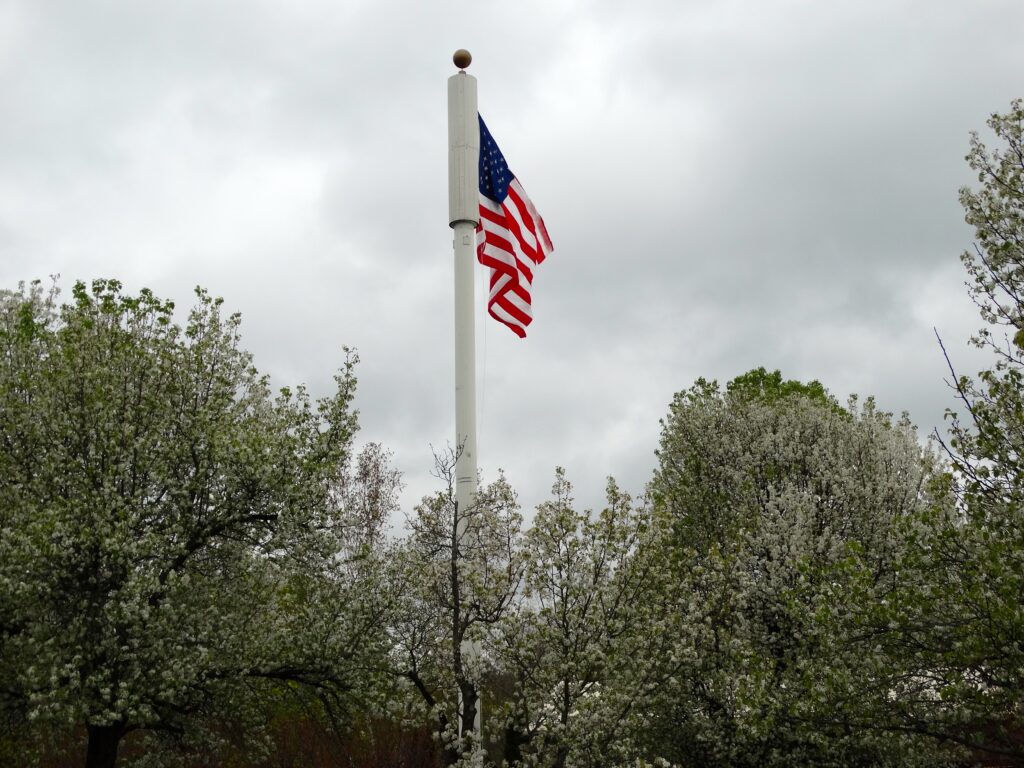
(463, 216)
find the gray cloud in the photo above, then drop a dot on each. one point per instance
(728, 184)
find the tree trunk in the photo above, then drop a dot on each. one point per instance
(470, 700)
(453, 753)
(103, 743)
(515, 740)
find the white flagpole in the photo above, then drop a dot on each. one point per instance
(463, 216)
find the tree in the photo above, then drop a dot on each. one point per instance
(460, 571)
(174, 539)
(961, 630)
(784, 512)
(575, 646)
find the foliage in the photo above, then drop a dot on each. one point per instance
(996, 211)
(785, 521)
(185, 554)
(460, 571)
(174, 539)
(962, 632)
(573, 644)
(768, 387)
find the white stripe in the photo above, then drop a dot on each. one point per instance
(535, 215)
(523, 306)
(499, 254)
(489, 204)
(505, 317)
(499, 285)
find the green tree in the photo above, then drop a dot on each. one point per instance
(174, 538)
(962, 628)
(768, 387)
(784, 514)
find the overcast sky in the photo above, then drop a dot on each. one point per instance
(727, 184)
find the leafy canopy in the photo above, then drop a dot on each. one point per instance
(174, 537)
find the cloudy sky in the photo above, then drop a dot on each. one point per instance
(727, 184)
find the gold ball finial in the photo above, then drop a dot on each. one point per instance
(462, 58)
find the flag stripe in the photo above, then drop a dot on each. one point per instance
(504, 255)
(529, 221)
(504, 232)
(501, 316)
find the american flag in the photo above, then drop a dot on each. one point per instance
(511, 238)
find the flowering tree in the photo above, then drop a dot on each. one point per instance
(962, 631)
(174, 538)
(785, 514)
(575, 647)
(458, 573)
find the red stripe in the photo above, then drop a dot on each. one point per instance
(520, 290)
(523, 319)
(487, 213)
(530, 221)
(506, 247)
(487, 254)
(520, 332)
(507, 223)
(524, 212)
(513, 229)
(538, 226)
(548, 247)
(536, 223)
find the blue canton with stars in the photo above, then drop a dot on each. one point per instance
(494, 173)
